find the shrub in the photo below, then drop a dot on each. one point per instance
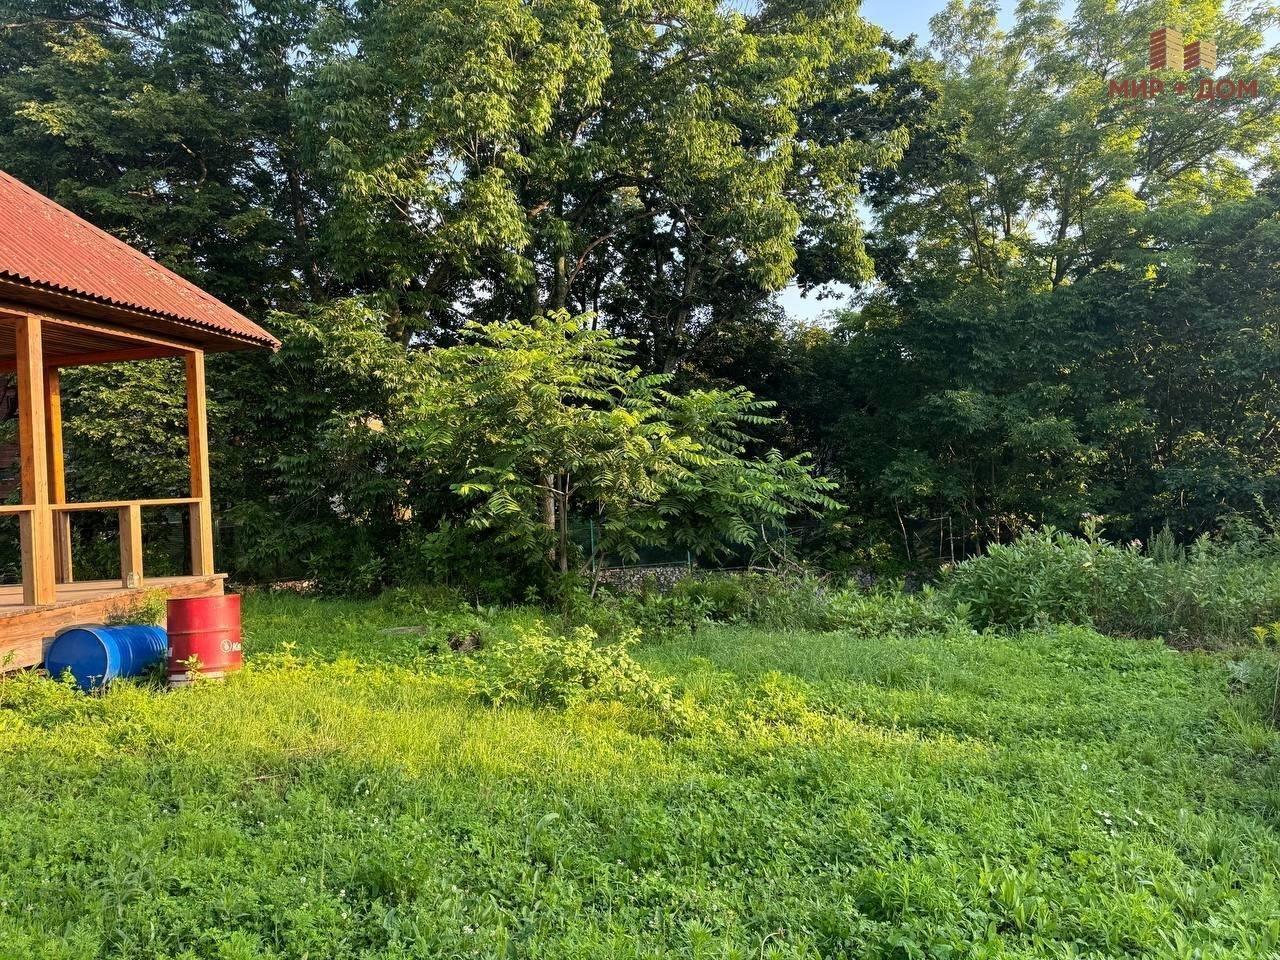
(1050, 576)
(423, 599)
(538, 667)
(1256, 677)
(652, 614)
(895, 613)
(1212, 593)
(761, 599)
(1216, 592)
(757, 599)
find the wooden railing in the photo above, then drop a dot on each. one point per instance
(46, 531)
(129, 513)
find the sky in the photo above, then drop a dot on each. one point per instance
(903, 17)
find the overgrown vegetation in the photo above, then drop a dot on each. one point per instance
(464, 465)
(1221, 592)
(897, 793)
(1059, 301)
(1213, 592)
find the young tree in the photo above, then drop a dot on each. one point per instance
(536, 424)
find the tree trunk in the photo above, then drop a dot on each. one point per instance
(301, 236)
(549, 513)
(564, 525)
(680, 316)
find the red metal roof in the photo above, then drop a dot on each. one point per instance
(46, 245)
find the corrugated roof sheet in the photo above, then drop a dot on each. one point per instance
(44, 244)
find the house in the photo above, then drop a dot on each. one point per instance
(71, 295)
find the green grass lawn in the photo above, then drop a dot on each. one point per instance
(1051, 794)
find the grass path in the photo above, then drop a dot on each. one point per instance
(1053, 794)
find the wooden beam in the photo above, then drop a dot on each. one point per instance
(38, 577)
(138, 338)
(89, 323)
(119, 343)
(131, 546)
(117, 504)
(107, 356)
(198, 448)
(113, 356)
(57, 475)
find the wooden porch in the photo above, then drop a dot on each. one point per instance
(35, 345)
(72, 295)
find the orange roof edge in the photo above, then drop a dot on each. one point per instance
(44, 245)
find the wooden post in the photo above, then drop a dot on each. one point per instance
(198, 447)
(57, 475)
(37, 526)
(131, 545)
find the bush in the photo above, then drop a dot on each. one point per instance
(538, 667)
(895, 613)
(768, 601)
(1216, 592)
(1052, 577)
(761, 599)
(1213, 593)
(1256, 677)
(653, 615)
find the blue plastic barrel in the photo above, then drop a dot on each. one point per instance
(98, 655)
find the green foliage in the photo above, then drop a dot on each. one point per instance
(1076, 307)
(1052, 576)
(763, 600)
(1218, 593)
(1257, 677)
(351, 461)
(125, 431)
(783, 602)
(667, 167)
(1213, 593)
(1072, 309)
(169, 125)
(895, 613)
(832, 795)
(657, 616)
(529, 425)
(311, 480)
(540, 667)
(149, 607)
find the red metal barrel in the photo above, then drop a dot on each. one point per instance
(207, 628)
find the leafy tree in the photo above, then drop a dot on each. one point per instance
(312, 480)
(1054, 331)
(1146, 391)
(1194, 372)
(664, 167)
(172, 126)
(533, 424)
(1051, 178)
